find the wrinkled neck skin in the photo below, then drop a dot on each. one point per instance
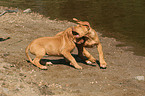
(90, 40)
(69, 36)
(92, 34)
(93, 39)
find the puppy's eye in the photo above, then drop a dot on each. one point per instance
(74, 33)
(87, 27)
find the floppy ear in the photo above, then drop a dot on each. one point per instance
(68, 31)
(88, 26)
(75, 19)
(84, 23)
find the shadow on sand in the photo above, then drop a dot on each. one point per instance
(4, 39)
(63, 61)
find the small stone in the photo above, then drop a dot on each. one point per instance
(49, 63)
(140, 78)
(27, 10)
(96, 82)
(6, 90)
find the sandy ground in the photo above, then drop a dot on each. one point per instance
(20, 78)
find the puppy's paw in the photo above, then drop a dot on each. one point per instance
(93, 60)
(49, 63)
(43, 67)
(88, 62)
(103, 65)
(78, 67)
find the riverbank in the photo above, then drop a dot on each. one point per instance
(19, 77)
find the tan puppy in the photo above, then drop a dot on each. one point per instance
(92, 40)
(60, 45)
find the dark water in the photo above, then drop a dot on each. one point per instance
(120, 19)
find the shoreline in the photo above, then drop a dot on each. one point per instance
(18, 77)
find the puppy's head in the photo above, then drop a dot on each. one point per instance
(77, 32)
(80, 30)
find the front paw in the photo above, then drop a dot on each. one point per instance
(93, 60)
(43, 67)
(88, 62)
(103, 65)
(78, 67)
(49, 63)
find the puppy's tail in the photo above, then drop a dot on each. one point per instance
(26, 51)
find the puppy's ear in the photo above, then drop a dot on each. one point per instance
(84, 23)
(73, 28)
(69, 31)
(88, 26)
(81, 22)
(75, 19)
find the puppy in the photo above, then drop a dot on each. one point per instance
(91, 40)
(59, 45)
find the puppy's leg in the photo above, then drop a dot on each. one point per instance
(68, 56)
(39, 54)
(66, 60)
(36, 62)
(89, 56)
(81, 51)
(103, 64)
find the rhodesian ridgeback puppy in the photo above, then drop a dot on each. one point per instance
(92, 40)
(59, 45)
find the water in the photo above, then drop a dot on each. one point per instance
(120, 19)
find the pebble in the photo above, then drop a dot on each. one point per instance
(94, 82)
(6, 90)
(27, 10)
(140, 78)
